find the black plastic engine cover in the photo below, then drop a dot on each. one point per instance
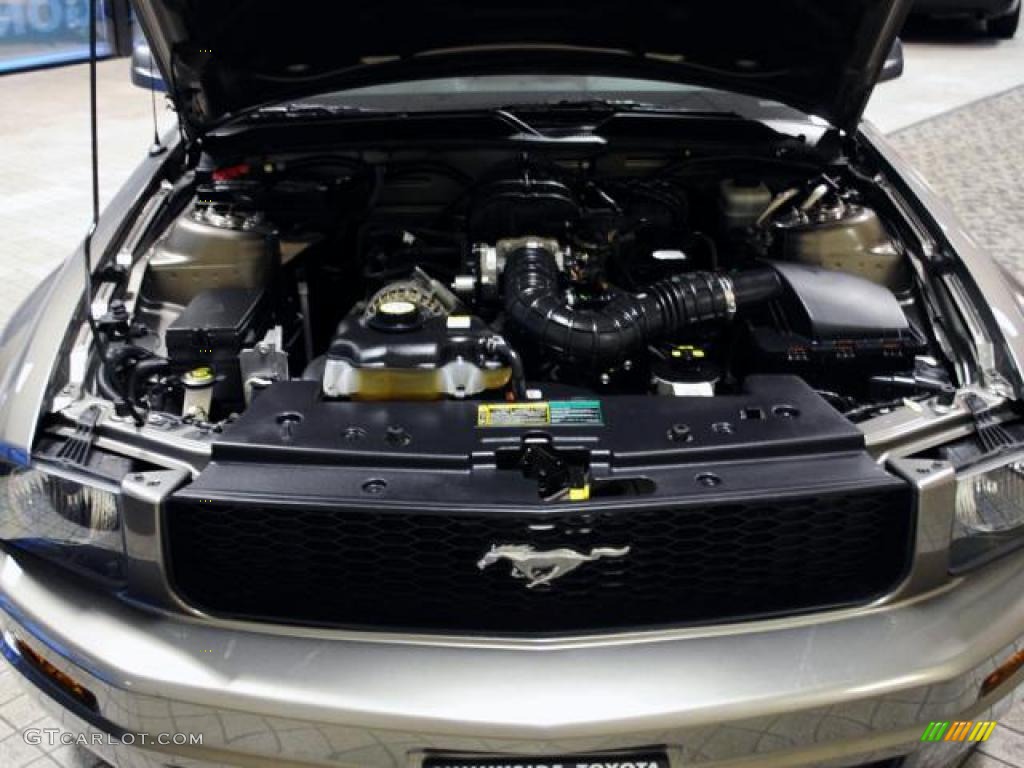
(522, 206)
(774, 416)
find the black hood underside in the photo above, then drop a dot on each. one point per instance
(221, 57)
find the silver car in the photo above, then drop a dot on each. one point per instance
(535, 385)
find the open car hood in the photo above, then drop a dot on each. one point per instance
(220, 57)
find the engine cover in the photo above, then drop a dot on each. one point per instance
(400, 353)
(832, 326)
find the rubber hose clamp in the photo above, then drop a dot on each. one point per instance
(729, 293)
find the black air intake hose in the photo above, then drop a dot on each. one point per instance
(602, 336)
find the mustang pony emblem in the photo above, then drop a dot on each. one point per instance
(540, 568)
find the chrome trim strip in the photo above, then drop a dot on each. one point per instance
(935, 488)
(982, 344)
(126, 253)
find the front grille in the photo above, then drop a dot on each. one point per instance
(417, 570)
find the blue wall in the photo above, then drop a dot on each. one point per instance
(39, 33)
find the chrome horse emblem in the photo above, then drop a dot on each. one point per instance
(541, 568)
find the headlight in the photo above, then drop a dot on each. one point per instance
(989, 510)
(65, 515)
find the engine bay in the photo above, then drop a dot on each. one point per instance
(516, 281)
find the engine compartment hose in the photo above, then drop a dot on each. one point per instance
(630, 322)
(501, 349)
(118, 375)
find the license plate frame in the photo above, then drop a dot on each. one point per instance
(650, 757)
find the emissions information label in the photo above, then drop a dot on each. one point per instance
(557, 413)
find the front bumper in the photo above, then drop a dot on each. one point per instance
(834, 689)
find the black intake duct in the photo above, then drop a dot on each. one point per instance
(628, 323)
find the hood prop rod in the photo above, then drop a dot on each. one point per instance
(99, 337)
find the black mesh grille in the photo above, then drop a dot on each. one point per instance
(417, 570)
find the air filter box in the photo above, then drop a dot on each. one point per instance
(828, 324)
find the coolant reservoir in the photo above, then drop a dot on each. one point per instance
(398, 352)
(742, 202)
(845, 237)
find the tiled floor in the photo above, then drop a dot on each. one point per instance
(975, 157)
(18, 713)
(44, 164)
(946, 67)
